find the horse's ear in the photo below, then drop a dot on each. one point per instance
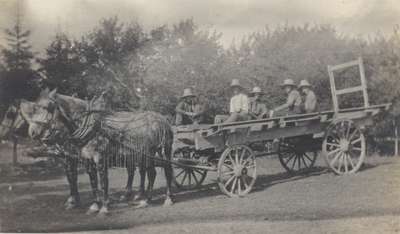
(53, 93)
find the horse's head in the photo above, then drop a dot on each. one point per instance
(11, 122)
(40, 114)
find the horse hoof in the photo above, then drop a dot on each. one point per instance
(142, 204)
(103, 211)
(137, 197)
(93, 209)
(69, 201)
(123, 198)
(70, 206)
(168, 202)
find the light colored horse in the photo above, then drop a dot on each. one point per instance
(14, 120)
(149, 133)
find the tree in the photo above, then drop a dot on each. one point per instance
(63, 67)
(19, 79)
(109, 50)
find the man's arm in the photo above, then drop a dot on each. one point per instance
(231, 106)
(245, 104)
(290, 102)
(179, 109)
(263, 110)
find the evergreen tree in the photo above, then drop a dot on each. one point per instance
(63, 67)
(18, 79)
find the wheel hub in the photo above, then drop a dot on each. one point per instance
(239, 170)
(344, 145)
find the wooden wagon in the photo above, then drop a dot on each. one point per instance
(231, 149)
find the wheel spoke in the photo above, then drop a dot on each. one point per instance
(228, 166)
(306, 155)
(334, 145)
(237, 156)
(239, 186)
(339, 167)
(348, 130)
(333, 152)
(194, 177)
(229, 173)
(242, 156)
(356, 141)
(350, 160)
(190, 178)
(345, 162)
(199, 171)
(291, 157)
(335, 158)
(299, 162)
(184, 178)
(352, 134)
(248, 160)
(294, 162)
(230, 158)
(229, 181)
(357, 148)
(304, 161)
(234, 185)
(180, 173)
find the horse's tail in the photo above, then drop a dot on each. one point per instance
(167, 138)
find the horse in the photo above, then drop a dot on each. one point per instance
(14, 121)
(150, 134)
(61, 147)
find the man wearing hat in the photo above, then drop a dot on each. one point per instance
(257, 109)
(293, 103)
(238, 107)
(239, 104)
(310, 100)
(188, 110)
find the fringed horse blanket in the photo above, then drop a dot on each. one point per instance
(128, 139)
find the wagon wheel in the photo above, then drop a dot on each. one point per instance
(344, 147)
(187, 177)
(295, 157)
(237, 171)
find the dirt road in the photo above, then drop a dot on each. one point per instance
(318, 202)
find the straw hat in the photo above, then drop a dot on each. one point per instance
(256, 90)
(288, 82)
(188, 93)
(236, 83)
(304, 83)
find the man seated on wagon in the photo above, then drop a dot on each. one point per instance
(188, 110)
(310, 100)
(293, 102)
(257, 109)
(239, 105)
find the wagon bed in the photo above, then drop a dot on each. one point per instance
(231, 149)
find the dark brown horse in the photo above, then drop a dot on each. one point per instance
(149, 135)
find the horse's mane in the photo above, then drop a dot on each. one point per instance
(74, 107)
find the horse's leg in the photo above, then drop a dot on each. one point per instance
(71, 169)
(131, 173)
(168, 176)
(151, 174)
(141, 195)
(92, 172)
(103, 171)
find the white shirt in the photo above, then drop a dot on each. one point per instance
(239, 103)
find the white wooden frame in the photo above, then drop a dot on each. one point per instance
(362, 87)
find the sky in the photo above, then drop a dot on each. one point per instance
(234, 18)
